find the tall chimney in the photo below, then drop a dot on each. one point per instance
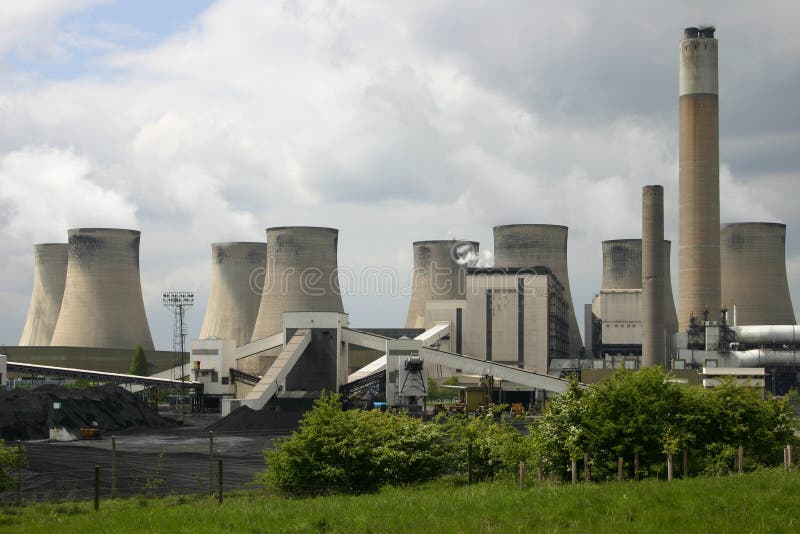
(653, 325)
(698, 252)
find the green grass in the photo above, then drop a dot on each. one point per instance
(765, 501)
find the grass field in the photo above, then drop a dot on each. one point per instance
(765, 501)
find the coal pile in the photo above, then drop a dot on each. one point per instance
(29, 414)
(246, 420)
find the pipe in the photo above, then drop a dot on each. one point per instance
(768, 334)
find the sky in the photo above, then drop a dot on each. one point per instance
(207, 121)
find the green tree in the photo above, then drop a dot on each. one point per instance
(139, 363)
(9, 457)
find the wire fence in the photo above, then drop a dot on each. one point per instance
(129, 466)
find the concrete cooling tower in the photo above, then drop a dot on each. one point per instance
(698, 211)
(301, 275)
(103, 305)
(754, 273)
(544, 245)
(622, 269)
(234, 298)
(49, 275)
(440, 269)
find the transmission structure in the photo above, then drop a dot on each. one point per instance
(177, 302)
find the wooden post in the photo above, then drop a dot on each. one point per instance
(539, 472)
(785, 457)
(574, 471)
(789, 455)
(522, 475)
(113, 466)
(685, 463)
(97, 487)
(741, 460)
(219, 478)
(669, 466)
(586, 475)
(211, 462)
(636, 466)
(469, 463)
(620, 469)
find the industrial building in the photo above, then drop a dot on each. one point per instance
(237, 271)
(614, 319)
(275, 326)
(526, 245)
(439, 274)
(755, 287)
(103, 305)
(49, 277)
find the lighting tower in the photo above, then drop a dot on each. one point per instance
(178, 302)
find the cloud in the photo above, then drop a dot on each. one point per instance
(46, 190)
(395, 123)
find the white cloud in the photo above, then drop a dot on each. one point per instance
(45, 190)
(393, 123)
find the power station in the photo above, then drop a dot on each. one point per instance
(275, 326)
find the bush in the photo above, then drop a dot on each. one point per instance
(8, 463)
(642, 412)
(358, 451)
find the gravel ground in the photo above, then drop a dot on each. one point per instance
(155, 461)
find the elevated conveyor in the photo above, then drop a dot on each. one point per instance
(100, 376)
(274, 377)
(476, 366)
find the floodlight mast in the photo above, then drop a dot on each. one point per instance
(178, 302)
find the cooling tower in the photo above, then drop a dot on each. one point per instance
(103, 305)
(754, 273)
(440, 269)
(622, 269)
(237, 270)
(49, 274)
(301, 275)
(545, 245)
(654, 333)
(698, 255)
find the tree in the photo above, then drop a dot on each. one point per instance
(139, 363)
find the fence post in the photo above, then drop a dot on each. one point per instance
(669, 466)
(522, 475)
(685, 465)
(97, 487)
(211, 462)
(620, 467)
(219, 476)
(113, 466)
(741, 460)
(785, 457)
(539, 471)
(586, 475)
(19, 472)
(469, 463)
(574, 471)
(789, 455)
(636, 466)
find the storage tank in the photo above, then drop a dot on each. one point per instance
(440, 269)
(754, 273)
(539, 245)
(49, 275)
(301, 275)
(622, 269)
(237, 271)
(103, 305)
(698, 211)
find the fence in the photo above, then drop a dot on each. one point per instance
(136, 465)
